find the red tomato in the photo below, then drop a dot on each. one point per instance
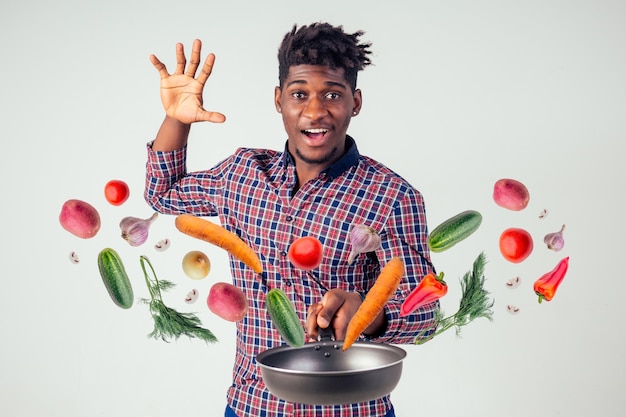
(116, 192)
(306, 253)
(515, 244)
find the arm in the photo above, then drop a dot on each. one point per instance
(181, 96)
(168, 187)
(406, 236)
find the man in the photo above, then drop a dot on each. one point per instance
(318, 186)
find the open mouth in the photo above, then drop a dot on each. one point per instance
(315, 133)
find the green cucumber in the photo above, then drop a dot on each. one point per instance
(115, 278)
(454, 230)
(284, 317)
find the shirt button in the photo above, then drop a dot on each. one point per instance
(288, 282)
(283, 254)
(289, 218)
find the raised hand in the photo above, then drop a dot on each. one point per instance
(181, 92)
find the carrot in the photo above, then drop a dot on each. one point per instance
(382, 290)
(219, 236)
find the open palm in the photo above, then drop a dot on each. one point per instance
(181, 92)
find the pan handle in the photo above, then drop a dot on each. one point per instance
(325, 334)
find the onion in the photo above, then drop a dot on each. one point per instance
(196, 265)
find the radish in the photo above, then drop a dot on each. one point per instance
(80, 218)
(510, 194)
(227, 301)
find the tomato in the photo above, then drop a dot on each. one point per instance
(306, 253)
(515, 244)
(116, 192)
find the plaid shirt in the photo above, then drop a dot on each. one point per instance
(252, 193)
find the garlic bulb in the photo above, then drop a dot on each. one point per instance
(135, 230)
(363, 239)
(555, 240)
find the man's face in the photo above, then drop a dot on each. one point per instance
(316, 103)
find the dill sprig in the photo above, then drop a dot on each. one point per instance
(474, 303)
(169, 323)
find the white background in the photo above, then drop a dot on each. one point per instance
(462, 93)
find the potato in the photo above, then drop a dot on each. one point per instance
(227, 301)
(80, 218)
(510, 194)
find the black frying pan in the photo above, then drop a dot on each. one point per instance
(322, 373)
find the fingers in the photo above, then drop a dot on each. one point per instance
(181, 61)
(195, 58)
(159, 66)
(311, 325)
(338, 308)
(207, 68)
(331, 303)
(335, 313)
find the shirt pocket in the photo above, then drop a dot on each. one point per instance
(366, 268)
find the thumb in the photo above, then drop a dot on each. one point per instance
(210, 116)
(324, 316)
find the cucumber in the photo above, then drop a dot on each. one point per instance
(115, 278)
(284, 317)
(454, 230)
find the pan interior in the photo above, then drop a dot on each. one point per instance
(329, 358)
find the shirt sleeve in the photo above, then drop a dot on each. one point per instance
(405, 236)
(170, 189)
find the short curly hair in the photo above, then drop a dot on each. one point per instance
(323, 44)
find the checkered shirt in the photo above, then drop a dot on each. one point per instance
(251, 192)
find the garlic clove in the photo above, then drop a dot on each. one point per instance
(135, 230)
(555, 241)
(363, 239)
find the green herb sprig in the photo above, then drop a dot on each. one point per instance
(169, 323)
(474, 303)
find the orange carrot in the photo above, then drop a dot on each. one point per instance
(217, 235)
(375, 300)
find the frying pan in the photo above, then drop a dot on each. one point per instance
(322, 373)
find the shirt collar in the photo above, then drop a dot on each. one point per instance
(349, 159)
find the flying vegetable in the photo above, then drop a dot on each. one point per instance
(545, 287)
(432, 287)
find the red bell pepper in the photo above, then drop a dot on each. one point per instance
(546, 286)
(431, 288)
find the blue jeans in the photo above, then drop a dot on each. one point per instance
(230, 413)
